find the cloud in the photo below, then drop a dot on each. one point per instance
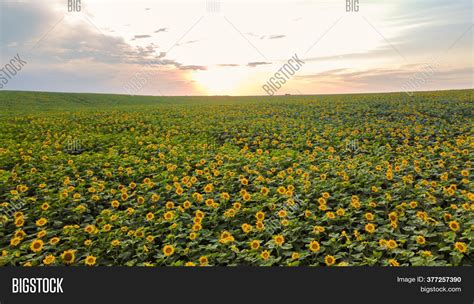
(228, 65)
(186, 42)
(262, 37)
(141, 36)
(276, 36)
(257, 63)
(191, 67)
(36, 20)
(163, 29)
(392, 79)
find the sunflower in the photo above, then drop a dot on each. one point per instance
(260, 216)
(425, 253)
(279, 239)
(246, 228)
(420, 240)
(314, 246)
(41, 222)
(115, 203)
(90, 229)
(199, 214)
(203, 260)
(15, 241)
(107, 227)
(208, 188)
(197, 227)
(90, 260)
(139, 233)
(168, 215)
(369, 216)
(150, 216)
(36, 245)
(461, 247)
(168, 250)
(281, 190)
(187, 205)
(49, 259)
(264, 190)
(20, 234)
(68, 256)
(54, 240)
(329, 260)
(393, 262)
(392, 244)
(454, 226)
(370, 228)
(246, 197)
(265, 255)
(295, 256)
(340, 212)
(255, 244)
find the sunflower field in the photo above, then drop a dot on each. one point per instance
(336, 180)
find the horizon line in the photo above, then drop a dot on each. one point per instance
(225, 95)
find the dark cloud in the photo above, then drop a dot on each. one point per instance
(25, 24)
(187, 42)
(257, 63)
(141, 36)
(163, 29)
(191, 67)
(276, 36)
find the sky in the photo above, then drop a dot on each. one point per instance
(235, 47)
